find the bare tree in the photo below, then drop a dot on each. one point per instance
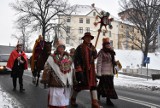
(22, 34)
(41, 14)
(144, 14)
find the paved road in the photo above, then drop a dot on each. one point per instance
(36, 97)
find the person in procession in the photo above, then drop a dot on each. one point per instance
(105, 71)
(17, 63)
(37, 50)
(72, 52)
(84, 58)
(59, 77)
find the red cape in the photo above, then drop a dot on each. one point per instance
(14, 54)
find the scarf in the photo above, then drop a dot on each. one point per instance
(64, 62)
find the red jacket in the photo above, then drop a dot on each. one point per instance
(13, 56)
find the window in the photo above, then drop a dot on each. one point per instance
(159, 29)
(104, 33)
(111, 43)
(94, 13)
(132, 47)
(110, 34)
(68, 19)
(132, 38)
(87, 29)
(67, 40)
(4, 58)
(80, 30)
(87, 21)
(80, 20)
(80, 40)
(68, 29)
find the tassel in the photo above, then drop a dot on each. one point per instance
(117, 75)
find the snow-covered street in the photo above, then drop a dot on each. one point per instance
(7, 101)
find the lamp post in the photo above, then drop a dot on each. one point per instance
(158, 35)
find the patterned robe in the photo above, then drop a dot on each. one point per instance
(84, 62)
(60, 82)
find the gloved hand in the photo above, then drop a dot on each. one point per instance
(79, 77)
(94, 53)
(98, 77)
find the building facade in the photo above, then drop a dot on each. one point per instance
(82, 20)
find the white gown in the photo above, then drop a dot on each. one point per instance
(59, 96)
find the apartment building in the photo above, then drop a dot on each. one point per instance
(128, 37)
(82, 20)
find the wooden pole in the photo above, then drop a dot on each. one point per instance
(99, 31)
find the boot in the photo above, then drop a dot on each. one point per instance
(98, 96)
(73, 102)
(95, 104)
(73, 99)
(14, 89)
(109, 102)
(22, 89)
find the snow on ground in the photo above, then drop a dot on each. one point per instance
(137, 82)
(7, 101)
(130, 58)
(133, 59)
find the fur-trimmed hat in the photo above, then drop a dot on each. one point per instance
(60, 44)
(105, 40)
(88, 34)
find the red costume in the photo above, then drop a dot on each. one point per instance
(84, 65)
(85, 56)
(13, 56)
(17, 63)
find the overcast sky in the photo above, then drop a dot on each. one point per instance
(7, 16)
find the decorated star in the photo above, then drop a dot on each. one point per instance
(104, 20)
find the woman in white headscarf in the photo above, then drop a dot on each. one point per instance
(58, 75)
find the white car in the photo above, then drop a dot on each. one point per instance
(3, 63)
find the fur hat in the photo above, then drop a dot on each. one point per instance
(60, 44)
(105, 41)
(72, 50)
(88, 34)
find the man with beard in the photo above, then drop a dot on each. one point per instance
(84, 57)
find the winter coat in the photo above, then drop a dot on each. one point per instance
(104, 64)
(85, 56)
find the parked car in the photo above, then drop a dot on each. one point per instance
(3, 63)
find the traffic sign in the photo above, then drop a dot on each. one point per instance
(147, 60)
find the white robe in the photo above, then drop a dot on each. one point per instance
(60, 96)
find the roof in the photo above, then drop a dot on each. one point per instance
(85, 9)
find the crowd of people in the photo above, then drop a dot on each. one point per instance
(66, 74)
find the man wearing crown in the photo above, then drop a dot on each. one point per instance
(17, 63)
(37, 50)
